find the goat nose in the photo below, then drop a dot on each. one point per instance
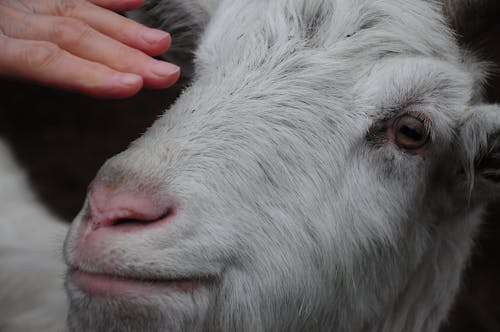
(111, 206)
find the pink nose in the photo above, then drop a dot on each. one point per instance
(112, 207)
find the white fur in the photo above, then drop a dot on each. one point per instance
(31, 269)
(306, 218)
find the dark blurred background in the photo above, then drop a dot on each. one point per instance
(62, 139)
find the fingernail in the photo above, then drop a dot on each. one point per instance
(164, 69)
(153, 36)
(130, 79)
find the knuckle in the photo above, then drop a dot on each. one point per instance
(64, 7)
(130, 60)
(40, 55)
(27, 21)
(69, 32)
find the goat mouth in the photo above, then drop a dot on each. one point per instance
(119, 286)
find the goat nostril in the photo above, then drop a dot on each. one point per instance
(120, 209)
(137, 221)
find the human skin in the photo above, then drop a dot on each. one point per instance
(82, 46)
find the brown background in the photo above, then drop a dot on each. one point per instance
(63, 138)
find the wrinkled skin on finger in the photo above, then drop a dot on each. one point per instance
(82, 46)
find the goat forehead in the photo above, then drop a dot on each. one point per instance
(250, 32)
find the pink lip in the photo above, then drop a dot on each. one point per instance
(107, 285)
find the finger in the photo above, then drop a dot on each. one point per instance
(118, 5)
(151, 41)
(47, 64)
(83, 41)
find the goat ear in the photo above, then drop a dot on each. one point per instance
(481, 142)
(185, 20)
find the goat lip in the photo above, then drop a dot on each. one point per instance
(118, 286)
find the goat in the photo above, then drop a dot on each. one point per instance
(326, 170)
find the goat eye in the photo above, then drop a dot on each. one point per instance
(410, 133)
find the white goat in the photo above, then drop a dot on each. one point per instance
(326, 170)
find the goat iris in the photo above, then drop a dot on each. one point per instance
(410, 132)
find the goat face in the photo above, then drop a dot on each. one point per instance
(315, 176)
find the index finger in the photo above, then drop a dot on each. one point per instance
(150, 41)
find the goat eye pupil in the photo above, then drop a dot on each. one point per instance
(411, 132)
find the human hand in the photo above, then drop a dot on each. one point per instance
(82, 45)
